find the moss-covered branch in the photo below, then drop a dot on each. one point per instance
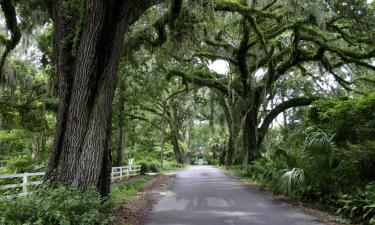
(331, 69)
(295, 102)
(236, 6)
(198, 78)
(11, 23)
(213, 56)
(146, 35)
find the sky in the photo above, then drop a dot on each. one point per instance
(219, 66)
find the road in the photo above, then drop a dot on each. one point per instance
(204, 195)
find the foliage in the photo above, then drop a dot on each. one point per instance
(171, 165)
(145, 167)
(56, 206)
(19, 164)
(359, 204)
(277, 55)
(154, 167)
(120, 193)
(317, 171)
(352, 120)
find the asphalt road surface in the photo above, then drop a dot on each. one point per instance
(204, 195)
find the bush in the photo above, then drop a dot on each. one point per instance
(239, 170)
(145, 168)
(154, 167)
(19, 164)
(172, 165)
(56, 206)
(351, 120)
(359, 205)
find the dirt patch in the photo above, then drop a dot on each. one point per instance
(135, 210)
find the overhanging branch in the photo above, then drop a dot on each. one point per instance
(11, 23)
(197, 78)
(301, 101)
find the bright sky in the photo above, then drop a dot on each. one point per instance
(219, 66)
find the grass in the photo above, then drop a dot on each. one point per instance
(120, 193)
(167, 169)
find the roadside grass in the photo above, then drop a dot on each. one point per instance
(121, 192)
(171, 168)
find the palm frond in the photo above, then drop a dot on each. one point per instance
(320, 148)
(288, 180)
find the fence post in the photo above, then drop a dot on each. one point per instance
(127, 172)
(121, 172)
(24, 184)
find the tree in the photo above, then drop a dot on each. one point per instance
(269, 44)
(88, 43)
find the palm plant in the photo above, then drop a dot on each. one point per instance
(312, 164)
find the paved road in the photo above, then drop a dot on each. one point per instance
(204, 195)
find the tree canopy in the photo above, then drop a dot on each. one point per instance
(280, 90)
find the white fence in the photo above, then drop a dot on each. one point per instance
(118, 173)
(25, 181)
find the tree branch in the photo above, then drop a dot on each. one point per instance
(236, 6)
(145, 36)
(198, 79)
(11, 23)
(301, 101)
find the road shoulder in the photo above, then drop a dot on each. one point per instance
(135, 210)
(323, 216)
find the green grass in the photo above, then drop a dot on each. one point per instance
(170, 168)
(120, 193)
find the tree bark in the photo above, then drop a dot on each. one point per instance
(250, 137)
(87, 72)
(176, 147)
(230, 150)
(222, 156)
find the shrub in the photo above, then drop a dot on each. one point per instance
(172, 165)
(359, 205)
(56, 206)
(19, 164)
(154, 167)
(145, 167)
(239, 170)
(351, 120)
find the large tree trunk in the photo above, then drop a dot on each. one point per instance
(250, 137)
(229, 108)
(222, 156)
(231, 137)
(176, 147)
(87, 69)
(231, 149)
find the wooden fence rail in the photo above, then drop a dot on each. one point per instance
(118, 173)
